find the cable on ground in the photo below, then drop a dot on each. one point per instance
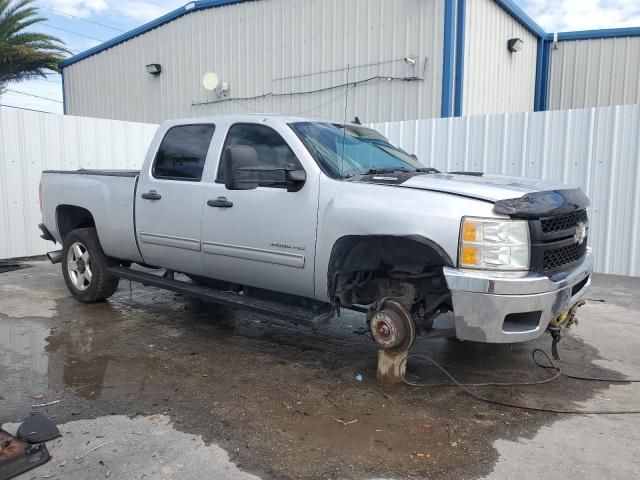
(466, 387)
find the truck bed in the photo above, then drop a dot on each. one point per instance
(108, 195)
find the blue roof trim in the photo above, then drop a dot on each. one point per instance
(178, 12)
(524, 19)
(460, 51)
(448, 58)
(594, 34)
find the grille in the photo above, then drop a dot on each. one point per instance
(563, 222)
(559, 257)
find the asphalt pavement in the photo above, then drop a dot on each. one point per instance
(153, 385)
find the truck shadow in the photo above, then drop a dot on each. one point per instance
(284, 400)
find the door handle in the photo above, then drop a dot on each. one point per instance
(220, 202)
(151, 195)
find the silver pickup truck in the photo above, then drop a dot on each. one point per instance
(303, 217)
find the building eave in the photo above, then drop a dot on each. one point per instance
(595, 34)
(525, 20)
(177, 13)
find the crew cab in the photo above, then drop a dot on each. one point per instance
(303, 217)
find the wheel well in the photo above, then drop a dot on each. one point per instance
(366, 269)
(70, 217)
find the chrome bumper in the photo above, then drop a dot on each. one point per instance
(497, 307)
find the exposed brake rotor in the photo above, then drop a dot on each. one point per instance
(392, 327)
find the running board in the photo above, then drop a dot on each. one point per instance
(292, 313)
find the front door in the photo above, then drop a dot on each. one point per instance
(168, 207)
(263, 237)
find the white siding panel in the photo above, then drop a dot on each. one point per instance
(31, 142)
(280, 46)
(595, 73)
(597, 149)
(496, 80)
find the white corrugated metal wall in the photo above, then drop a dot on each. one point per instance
(496, 80)
(31, 142)
(593, 73)
(597, 149)
(289, 46)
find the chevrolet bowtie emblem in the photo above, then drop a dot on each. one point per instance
(581, 233)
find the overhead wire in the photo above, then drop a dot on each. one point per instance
(72, 32)
(27, 109)
(33, 95)
(60, 12)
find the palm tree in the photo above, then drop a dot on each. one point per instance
(25, 54)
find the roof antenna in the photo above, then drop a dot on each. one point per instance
(344, 124)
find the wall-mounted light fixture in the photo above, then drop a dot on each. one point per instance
(154, 68)
(515, 44)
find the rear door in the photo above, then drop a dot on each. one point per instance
(168, 207)
(263, 237)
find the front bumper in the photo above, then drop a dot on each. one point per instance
(496, 307)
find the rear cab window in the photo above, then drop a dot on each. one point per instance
(183, 152)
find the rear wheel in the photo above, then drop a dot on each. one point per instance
(84, 267)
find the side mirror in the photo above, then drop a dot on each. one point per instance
(295, 179)
(239, 163)
(242, 171)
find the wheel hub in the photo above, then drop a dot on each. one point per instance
(79, 266)
(392, 327)
(385, 329)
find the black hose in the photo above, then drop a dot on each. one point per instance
(551, 365)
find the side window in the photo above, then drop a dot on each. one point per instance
(272, 151)
(182, 153)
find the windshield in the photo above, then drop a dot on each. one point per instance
(345, 151)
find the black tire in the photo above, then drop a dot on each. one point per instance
(100, 285)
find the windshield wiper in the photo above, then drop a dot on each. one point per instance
(382, 171)
(378, 171)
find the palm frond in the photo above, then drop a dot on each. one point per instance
(25, 53)
(13, 17)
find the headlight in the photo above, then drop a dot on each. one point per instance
(494, 244)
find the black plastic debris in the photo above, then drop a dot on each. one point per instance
(36, 429)
(10, 265)
(17, 457)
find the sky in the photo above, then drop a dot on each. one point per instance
(83, 24)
